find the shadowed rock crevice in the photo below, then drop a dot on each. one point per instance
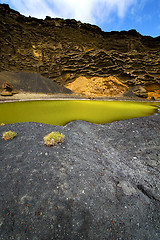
(147, 192)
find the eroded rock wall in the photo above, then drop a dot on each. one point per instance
(64, 50)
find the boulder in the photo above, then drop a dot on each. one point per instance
(136, 91)
(7, 89)
(6, 93)
(140, 91)
(7, 86)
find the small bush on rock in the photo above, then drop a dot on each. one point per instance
(54, 138)
(9, 135)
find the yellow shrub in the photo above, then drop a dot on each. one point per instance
(9, 135)
(53, 138)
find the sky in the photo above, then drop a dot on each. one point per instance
(109, 15)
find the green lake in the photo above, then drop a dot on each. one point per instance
(60, 112)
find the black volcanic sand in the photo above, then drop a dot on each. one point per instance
(103, 182)
(31, 82)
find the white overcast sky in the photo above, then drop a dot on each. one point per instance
(110, 15)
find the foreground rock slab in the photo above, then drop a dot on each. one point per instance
(103, 182)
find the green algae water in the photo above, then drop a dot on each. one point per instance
(60, 112)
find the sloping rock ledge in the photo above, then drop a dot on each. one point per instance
(101, 183)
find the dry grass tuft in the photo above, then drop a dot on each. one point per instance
(54, 138)
(9, 135)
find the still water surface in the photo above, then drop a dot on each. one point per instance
(60, 112)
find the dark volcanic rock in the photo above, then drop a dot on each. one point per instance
(138, 91)
(66, 49)
(101, 183)
(30, 82)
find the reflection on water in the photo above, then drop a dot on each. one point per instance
(60, 112)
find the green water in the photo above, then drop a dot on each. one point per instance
(60, 112)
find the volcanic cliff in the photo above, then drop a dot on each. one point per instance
(74, 54)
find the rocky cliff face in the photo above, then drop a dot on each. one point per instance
(65, 50)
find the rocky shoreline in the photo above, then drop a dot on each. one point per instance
(26, 96)
(101, 183)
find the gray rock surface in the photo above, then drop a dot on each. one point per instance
(103, 182)
(31, 82)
